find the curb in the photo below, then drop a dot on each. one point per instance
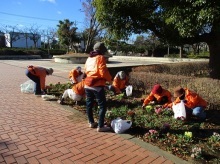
(13, 57)
(161, 59)
(133, 139)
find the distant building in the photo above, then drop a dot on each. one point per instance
(2, 39)
(22, 40)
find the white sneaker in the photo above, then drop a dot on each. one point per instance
(93, 125)
(103, 129)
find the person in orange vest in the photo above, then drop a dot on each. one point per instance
(159, 95)
(119, 84)
(194, 104)
(38, 75)
(76, 93)
(97, 74)
(75, 75)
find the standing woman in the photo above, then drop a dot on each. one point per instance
(96, 76)
(38, 75)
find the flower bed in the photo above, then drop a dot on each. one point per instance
(192, 140)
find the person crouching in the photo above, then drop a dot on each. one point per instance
(38, 76)
(76, 93)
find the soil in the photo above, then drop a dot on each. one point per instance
(170, 139)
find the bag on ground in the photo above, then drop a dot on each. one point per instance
(48, 97)
(27, 87)
(120, 126)
(179, 110)
(128, 90)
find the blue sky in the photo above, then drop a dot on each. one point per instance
(43, 13)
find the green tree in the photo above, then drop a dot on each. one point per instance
(67, 34)
(178, 22)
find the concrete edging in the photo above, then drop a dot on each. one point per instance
(135, 140)
(136, 58)
(12, 57)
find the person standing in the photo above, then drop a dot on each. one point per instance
(97, 74)
(38, 75)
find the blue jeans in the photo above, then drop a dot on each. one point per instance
(197, 111)
(91, 96)
(36, 80)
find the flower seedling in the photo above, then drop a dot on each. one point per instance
(188, 134)
(149, 108)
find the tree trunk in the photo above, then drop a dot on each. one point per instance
(168, 50)
(26, 42)
(214, 65)
(88, 42)
(181, 51)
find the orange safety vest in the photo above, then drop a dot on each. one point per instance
(96, 69)
(74, 74)
(79, 88)
(192, 100)
(39, 72)
(119, 83)
(159, 97)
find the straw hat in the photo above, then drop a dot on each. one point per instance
(178, 91)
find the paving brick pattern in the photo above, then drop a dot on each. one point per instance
(37, 131)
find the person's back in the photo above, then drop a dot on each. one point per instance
(79, 88)
(74, 75)
(96, 70)
(38, 75)
(96, 76)
(76, 93)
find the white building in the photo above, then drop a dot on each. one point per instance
(22, 40)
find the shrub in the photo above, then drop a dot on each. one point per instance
(169, 76)
(187, 69)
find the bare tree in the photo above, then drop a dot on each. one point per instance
(12, 34)
(49, 35)
(93, 27)
(25, 35)
(34, 34)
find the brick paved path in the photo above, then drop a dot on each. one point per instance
(37, 131)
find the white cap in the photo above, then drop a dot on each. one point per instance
(121, 75)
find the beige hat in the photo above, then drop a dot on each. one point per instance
(100, 46)
(49, 71)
